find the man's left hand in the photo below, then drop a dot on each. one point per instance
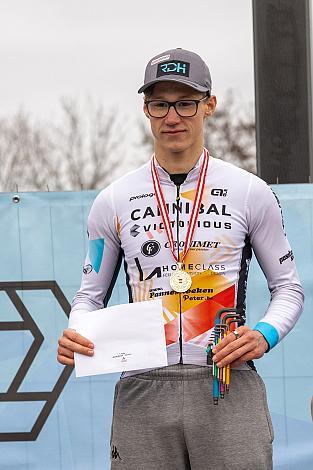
(249, 345)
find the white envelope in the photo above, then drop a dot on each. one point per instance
(125, 337)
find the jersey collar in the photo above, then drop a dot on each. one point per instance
(191, 177)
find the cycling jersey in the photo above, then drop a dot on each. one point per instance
(239, 212)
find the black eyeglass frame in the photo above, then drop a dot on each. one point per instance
(173, 103)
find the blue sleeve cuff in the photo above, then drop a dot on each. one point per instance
(269, 332)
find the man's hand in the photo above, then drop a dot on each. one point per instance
(235, 351)
(72, 342)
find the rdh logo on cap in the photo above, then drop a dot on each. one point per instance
(175, 67)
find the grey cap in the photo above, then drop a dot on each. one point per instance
(178, 65)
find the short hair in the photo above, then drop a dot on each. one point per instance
(148, 91)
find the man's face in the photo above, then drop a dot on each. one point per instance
(175, 133)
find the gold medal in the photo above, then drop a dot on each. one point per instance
(180, 281)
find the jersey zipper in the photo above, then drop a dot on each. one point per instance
(180, 299)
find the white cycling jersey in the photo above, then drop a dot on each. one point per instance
(239, 212)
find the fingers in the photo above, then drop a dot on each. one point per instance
(76, 337)
(228, 356)
(230, 338)
(250, 345)
(65, 352)
(75, 347)
(71, 342)
(65, 356)
(66, 361)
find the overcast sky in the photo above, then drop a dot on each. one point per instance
(55, 48)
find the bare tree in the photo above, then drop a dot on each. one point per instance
(89, 145)
(86, 148)
(25, 149)
(229, 134)
(80, 153)
(6, 156)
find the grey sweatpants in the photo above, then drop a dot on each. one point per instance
(165, 420)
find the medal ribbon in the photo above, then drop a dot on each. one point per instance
(195, 208)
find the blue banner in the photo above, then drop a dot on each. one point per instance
(51, 420)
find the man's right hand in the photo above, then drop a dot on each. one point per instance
(71, 342)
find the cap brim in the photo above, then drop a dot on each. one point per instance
(193, 85)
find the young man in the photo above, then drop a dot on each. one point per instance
(186, 224)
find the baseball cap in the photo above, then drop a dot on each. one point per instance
(178, 65)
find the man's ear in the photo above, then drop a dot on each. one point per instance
(210, 106)
(145, 110)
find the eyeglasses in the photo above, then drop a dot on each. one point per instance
(184, 108)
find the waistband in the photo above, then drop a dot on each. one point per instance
(177, 372)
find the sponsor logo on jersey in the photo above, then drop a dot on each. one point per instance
(183, 208)
(134, 230)
(175, 67)
(204, 244)
(167, 270)
(200, 223)
(150, 248)
(219, 192)
(140, 196)
(87, 269)
(286, 256)
(188, 295)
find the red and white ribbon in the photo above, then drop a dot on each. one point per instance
(195, 208)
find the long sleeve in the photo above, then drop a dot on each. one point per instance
(276, 260)
(103, 258)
